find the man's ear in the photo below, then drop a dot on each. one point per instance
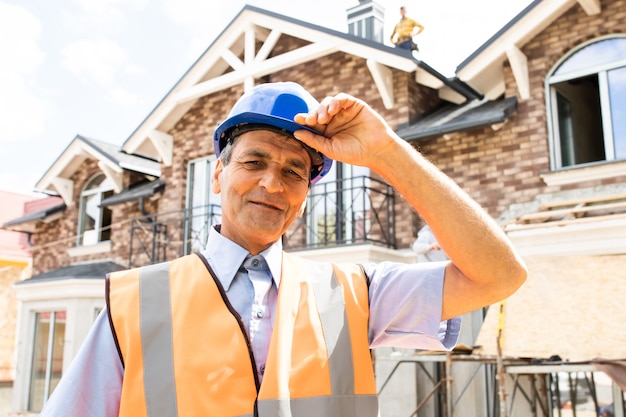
(216, 187)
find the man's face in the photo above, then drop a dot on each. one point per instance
(263, 188)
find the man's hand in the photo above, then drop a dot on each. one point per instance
(350, 131)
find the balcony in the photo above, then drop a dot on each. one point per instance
(358, 210)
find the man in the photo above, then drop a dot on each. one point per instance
(405, 30)
(426, 246)
(245, 329)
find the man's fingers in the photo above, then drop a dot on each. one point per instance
(309, 138)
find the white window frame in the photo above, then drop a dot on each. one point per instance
(313, 217)
(105, 186)
(592, 170)
(208, 198)
(79, 298)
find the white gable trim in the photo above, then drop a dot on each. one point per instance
(164, 144)
(492, 57)
(590, 7)
(383, 78)
(509, 44)
(519, 66)
(77, 151)
(235, 49)
(114, 175)
(253, 70)
(65, 189)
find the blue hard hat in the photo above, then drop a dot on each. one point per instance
(272, 106)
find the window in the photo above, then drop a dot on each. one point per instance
(94, 223)
(203, 206)
(47, 359)
(587, 102)
(337, 207)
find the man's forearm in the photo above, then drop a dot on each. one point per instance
(476, 245)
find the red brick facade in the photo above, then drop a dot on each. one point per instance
(502, 167)
(496, 167)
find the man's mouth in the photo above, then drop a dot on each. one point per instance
(267, 205)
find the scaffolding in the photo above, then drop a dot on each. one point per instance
(512, 387)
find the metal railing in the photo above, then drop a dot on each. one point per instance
(356, 210)
(350, 211)
(165, 236)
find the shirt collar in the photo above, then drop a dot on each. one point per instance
(225, 257)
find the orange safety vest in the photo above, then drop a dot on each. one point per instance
(186, 352)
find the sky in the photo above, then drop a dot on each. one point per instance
(97, 68)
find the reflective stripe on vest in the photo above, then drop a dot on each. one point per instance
(317, 363)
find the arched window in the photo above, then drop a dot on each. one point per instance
(586, 101)
(94, 222)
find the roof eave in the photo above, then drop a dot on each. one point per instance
(195, 83)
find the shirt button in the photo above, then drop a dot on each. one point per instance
(262, 369)
(260, 313)
(255, 262)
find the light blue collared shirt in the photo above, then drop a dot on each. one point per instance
(405, 311)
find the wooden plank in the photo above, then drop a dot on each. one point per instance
(574, 202)
(556, 223)
(571, 211)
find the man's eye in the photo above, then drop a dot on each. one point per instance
(296, 174)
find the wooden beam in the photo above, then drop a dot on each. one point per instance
(591, 7)
(288, 59)
(116, 177)
(519, 65)
(383, 78)
(164, 145)
(249, 46)
(232, 59)
(65, 188)
(268, 45)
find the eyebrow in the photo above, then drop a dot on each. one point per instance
(256, 153)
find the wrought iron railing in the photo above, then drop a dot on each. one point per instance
(350, 211)
(356, 210)
(165, 236)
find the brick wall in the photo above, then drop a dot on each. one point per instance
(53, 239)
(502, 167)
(329, 75)
(496, 167)
(8, 318)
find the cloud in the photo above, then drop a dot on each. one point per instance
(23, 112)
(98, 60)
(108, 15)
(122, 98)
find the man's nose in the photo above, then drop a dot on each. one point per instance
(272, 180)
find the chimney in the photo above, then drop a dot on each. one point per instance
(367, 20)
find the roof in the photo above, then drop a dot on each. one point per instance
(27, 222)
(95, 270)
(14, 247)
(135, 192)
(112, 160)
(510, 24)
(235, 58)
(129, 162)
(458, 118)
(483, 69)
